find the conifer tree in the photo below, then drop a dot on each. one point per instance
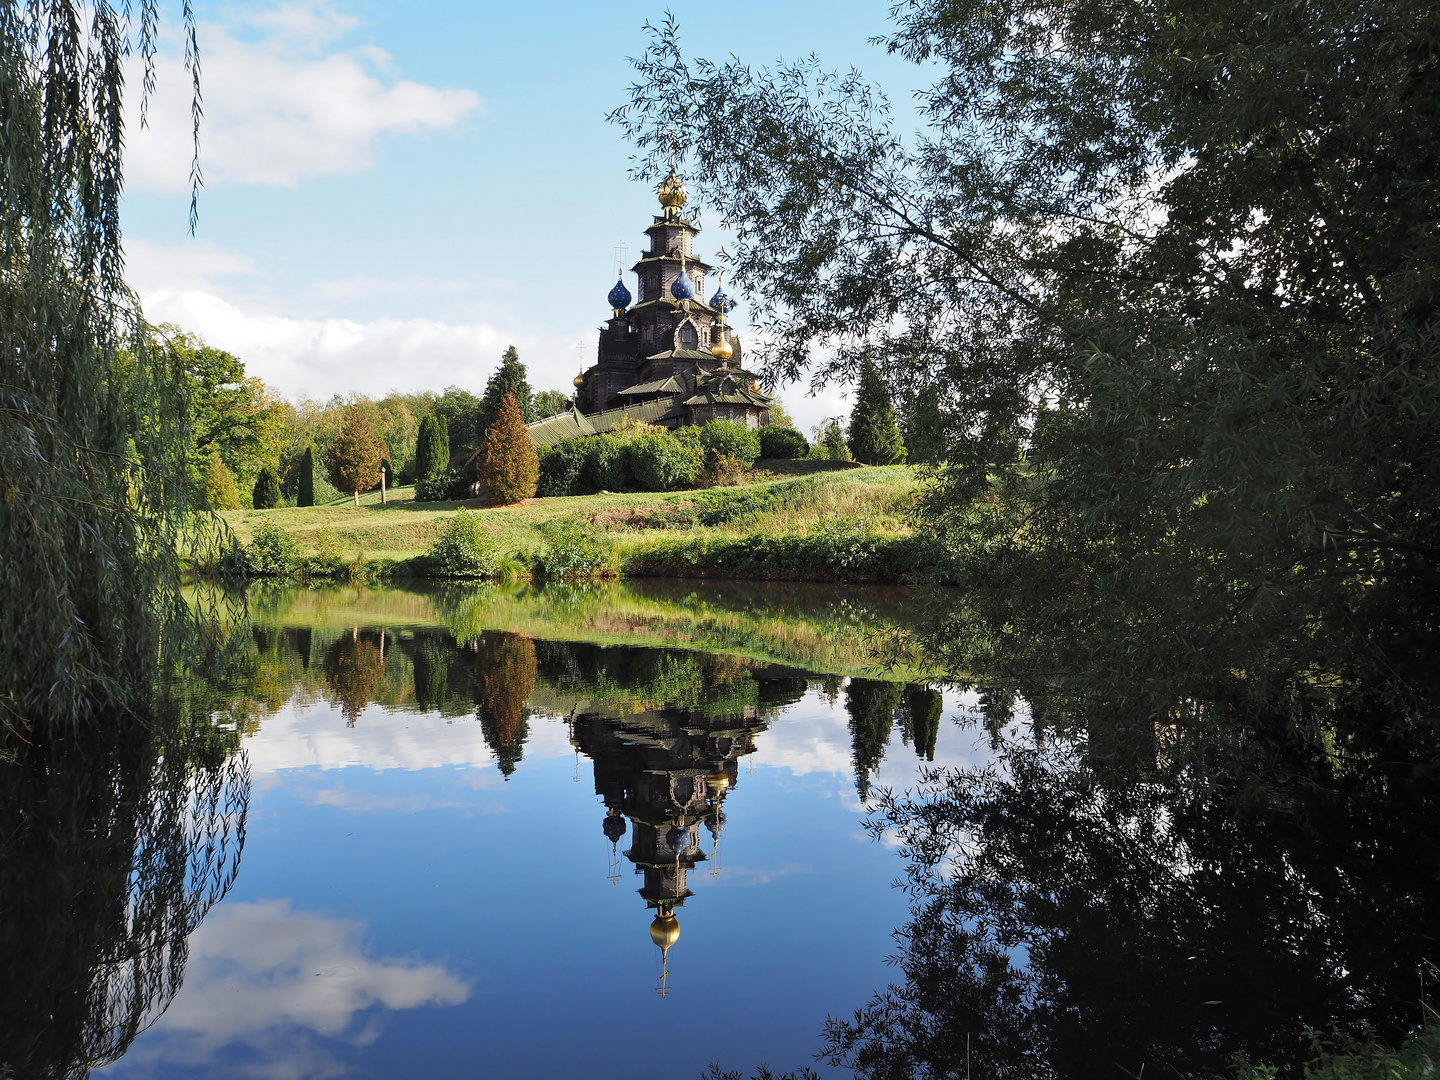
(874, 435)
(509, 378)
(444, 439)
(922, 426)
(354, 458)
(509, 467)
(266, 493)
(305, 489)
(218, 486)
(429, 452)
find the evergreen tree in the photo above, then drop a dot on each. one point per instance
(305, 491)
(923, 427)
(354, 459)
(218, 487)
(509, 467)
(923, 708)
(429, 448)
(266, 493)
(510, 378)
(874, 436)
(445, 450)
(871, 705)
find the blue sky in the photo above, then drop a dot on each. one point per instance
(397, 191)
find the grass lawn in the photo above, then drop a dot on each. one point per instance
(774, 503)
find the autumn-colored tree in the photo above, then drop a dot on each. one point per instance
(504, 674)
(353, 666)
(354, 459)
(218, 489)
(509, 465)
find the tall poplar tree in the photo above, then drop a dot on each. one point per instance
(305, 489)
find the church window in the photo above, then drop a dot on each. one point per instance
(648, 335)
(689, 339)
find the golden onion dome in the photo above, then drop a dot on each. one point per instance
(579, 381)
(672, 192)
(717, 781)
(722, 349)
(665, 931)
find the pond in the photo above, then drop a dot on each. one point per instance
(512, 832)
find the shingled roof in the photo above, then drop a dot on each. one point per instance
(574, 424)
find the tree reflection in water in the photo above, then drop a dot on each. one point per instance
(1174, 899)
(113, 848)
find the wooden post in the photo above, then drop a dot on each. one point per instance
(382, 485)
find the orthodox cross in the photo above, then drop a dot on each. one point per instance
(620, 248)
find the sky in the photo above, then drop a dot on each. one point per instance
(394, 192)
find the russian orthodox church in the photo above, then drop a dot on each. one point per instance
(669, 358)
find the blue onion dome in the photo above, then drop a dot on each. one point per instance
(619, 296)
(678, 839)
(614, 828)
(720, 302)
(682, 289)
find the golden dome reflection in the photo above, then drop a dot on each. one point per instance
(665, 931)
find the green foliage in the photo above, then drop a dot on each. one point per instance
(305, 486)
(608, 463)
(218, 490)
(465, 548)
(564, 469)
(874, 436)
(432, 447)
(266, 494)
(729, 438)
(922, 709)
(459, 412)
(551, 403)
(354, 458)
(573, 549)
(872, 706)
(440, 485)
(923, 426)
(509, 378)
(1370, 1060)
(272, 553)
(510, 468)
(783, 443)
(663, 463)
(830, 442)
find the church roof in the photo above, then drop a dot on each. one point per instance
(671, 385)
(726, 388)
(574, 424)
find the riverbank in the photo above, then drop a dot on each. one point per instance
(827, 524)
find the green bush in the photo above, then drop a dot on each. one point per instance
(782, 442)
(272, 553)
(663, 463)
(730, 439)
(465, 548)
(564, 469)
(265, 495)
(439, 485)
(574, 550)
(608, 463)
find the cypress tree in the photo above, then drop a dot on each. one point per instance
(266, 493)
(871, 704)
(510, 467)
(427, 447)
(923, 709)
(444, 439)
(305, 490)
(874, 435)
(509, 378)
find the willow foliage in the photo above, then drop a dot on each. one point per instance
(94, 431)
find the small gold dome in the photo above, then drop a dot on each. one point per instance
(722, 349)
(579, 381)
(665, 931)
(672, 192)
(717, 781)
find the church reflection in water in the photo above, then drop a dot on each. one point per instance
(665, 729)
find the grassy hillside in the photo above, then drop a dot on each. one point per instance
(772, 522)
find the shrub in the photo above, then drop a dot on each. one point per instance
(723, 470)
(663, 463)
(465, 548)
(782, 442)
(608, 463)
(218, 488)
(266, 493)
(564, 469)
(574, 550)
(272, 552)
(439, 484)
(729, 438)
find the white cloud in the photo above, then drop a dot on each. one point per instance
(279, 983)
(280, 104)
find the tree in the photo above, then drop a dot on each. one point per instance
(267, 489)
(1189, 317)
(830, 441)
(94, 461)
(871, 705)
(551, 403)
(509, 467)
(432, 446)
(305, 488)
(459, 411)
(354, 459)
(218, 490)
(923, 427)
(874, 437)
(509, 378)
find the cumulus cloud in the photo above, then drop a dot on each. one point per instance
(270, 991)
(282, 103)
